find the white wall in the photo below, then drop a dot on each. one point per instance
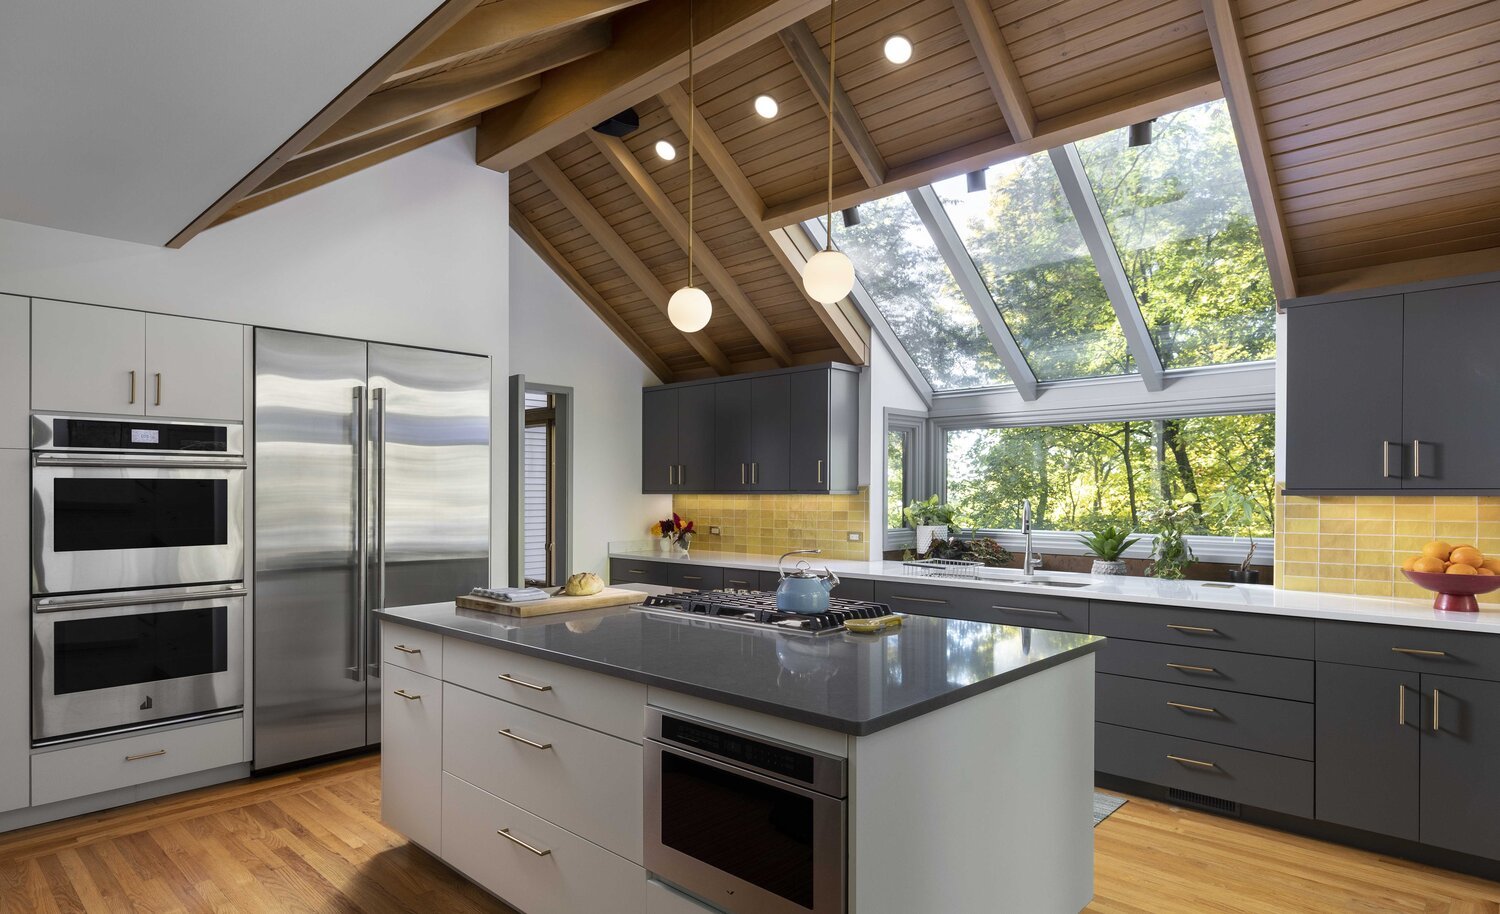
(885, 387)
(412, 251)
(556, 339)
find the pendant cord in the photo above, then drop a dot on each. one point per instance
(692, 123)
(832, 56)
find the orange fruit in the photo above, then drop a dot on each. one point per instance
(1461, 568)
(1428, 565)
(1485, 572)
(1467, 555)
(1409, 564)
(1437, 549)
(1492, 565)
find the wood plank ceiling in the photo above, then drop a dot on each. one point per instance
(1370, 132)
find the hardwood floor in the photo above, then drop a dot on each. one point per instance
(311, 841)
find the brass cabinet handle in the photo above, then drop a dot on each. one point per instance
(406, 650)
(734, 581)
(1189, 668)
(521, 682)
(635, 571)
(521, 739)
(407, 695)
(1385, 459)
(920, 600)
(1418, 652)
(755, 474)
(132, 385)
(692, 577)
(820, 470)
(1191, 761)
(670, 470)
(1199, 708)
(681, 473)
(1416, 458)
(158, 388)
(1192, 629)
(1437, 714)
(742, 474)
(539, 851)
(1029, 612)
(137, 758)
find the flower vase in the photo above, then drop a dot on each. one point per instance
(664, 545)
(684, 542)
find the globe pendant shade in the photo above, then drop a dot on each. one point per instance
(828, 277)
(689, 309)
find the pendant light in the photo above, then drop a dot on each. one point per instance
(829, 274)
(689, 308)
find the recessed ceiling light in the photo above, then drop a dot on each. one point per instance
(766, 106)
(898, 49)
(666, 150)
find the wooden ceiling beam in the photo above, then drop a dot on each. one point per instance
(979, 24)
(607, 238)
(812, 64)
(496, 26)
(441, 19)
(591, 297)
(842, 320)
(649, 53)
(466, 87)
(1183, 92)
(661, 206)
(1239, 92)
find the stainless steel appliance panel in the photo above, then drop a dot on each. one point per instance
(310, 624)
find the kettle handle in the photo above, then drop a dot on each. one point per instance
(832, 580)
(781, 562)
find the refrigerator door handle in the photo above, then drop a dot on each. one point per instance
(361, 539)
(373, 664)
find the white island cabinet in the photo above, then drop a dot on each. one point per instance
(522, 756)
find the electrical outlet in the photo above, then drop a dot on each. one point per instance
(715, 531)
(855, 536)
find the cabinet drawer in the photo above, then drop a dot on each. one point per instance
(1422, 650)
(740, 579)
(1003, 607)
(1239, 775)
(559, 873)
(79, 771)
(592, 700)
(411, 649)
(1228, 718)
(850, 589)
(636, 571)
(695, 577)
(1277, 636)
(411, 755)
(1253, 674)
(663, 899)
(584, 781)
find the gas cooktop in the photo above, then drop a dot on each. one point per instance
(758, 608)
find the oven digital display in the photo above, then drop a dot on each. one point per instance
(145, 436)
(785, 762)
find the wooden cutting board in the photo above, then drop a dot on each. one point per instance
(609, 596)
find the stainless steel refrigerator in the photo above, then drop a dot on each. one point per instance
(371, 489)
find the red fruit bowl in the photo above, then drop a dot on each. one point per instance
(1455, 592)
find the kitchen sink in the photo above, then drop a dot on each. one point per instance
(1033, 582)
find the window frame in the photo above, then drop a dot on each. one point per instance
(916, 477)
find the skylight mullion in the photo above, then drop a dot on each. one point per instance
(1080, 195)
(945, 237)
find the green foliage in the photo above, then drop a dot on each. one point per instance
(929, 512)
(895, 478)
(1108, 541)
(1171, 555)
(981, 549)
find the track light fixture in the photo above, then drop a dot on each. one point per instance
(851, 216)
(1140, 134)
(977, 181)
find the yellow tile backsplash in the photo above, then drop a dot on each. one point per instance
(773, 524)
(1356, 543)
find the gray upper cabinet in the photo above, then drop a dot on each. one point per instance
(794, 430)
(1451, 368)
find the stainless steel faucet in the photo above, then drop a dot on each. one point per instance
(1026, 566)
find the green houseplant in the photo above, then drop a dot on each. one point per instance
(931, 519)
(1107, 542)
(1171, 555)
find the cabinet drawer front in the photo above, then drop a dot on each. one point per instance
(79, 771)
(662, 899)
(1277, 636)
(1228, 718)
(584, 781)
(854, 589)
(636, 571)
(1421, 650)
(695, 577)
(559, 873)
(411, 755)
(740, 579)
(592, 700)
(1239, 775)
(1002, 607)
(1253, 674)
(411, 649)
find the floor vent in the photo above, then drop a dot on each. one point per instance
(1203, 801)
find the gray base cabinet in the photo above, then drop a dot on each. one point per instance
(1367, 748)
(1460, 795)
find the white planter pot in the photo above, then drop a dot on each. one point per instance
(1103, 567)
(925, 536)
(663, 546)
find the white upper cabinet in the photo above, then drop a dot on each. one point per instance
(15, 381)
(194, 369)
(88, 359)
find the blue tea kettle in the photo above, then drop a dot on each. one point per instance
(801, 591)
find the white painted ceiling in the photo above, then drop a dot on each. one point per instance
(128, 118)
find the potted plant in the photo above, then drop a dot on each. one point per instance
(1238, 512)
(1171, 555)
(1245, 574)
(1107, 541)
(674, 533)
(930, 519)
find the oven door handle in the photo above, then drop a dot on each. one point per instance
(656, 746)
(124, 462)
(144, 598)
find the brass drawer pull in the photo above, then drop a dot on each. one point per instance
(692, 577)
(1417, 652)
(137, 758)
(1437, 714)
(505, 833)
(406, 650)
(407, 695)
(635, 571)
(1191, 761)
(734, 581)
(1032, 612)
(1199, 708)
(523, 683)
(920, 599)
(521, 739)
(1189, 668)
(1401, 703)
(132, 386)
(158, 388)
(1192, 629)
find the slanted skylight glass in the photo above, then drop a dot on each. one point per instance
(1022, 236)
(1179, 213)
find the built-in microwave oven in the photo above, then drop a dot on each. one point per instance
(126, 504)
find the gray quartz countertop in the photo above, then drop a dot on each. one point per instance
(850, 683)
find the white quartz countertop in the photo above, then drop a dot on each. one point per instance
(1251, 598)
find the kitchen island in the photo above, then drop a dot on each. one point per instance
(551, 760)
